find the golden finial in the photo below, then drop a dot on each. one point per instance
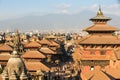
(99, 13)
(100, 16)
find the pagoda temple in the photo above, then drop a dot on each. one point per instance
(99, 45)
(15, 68)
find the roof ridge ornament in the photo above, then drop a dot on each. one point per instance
(100, 13)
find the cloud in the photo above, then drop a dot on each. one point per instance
(63, 6)
(112, 9)
(65, 12)
(107, 9)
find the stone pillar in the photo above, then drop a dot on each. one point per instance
(23, 76)
(40, 74)
(13, 76)
(48, 58)
(5, 75)
(40, 77)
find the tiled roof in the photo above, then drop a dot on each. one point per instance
(33, 54)
(100, 39)
(115, 73)
(100, 17)
(54, 44)
(53, 48)
(4, 57)
(4, 47)
(32, 44)
(96, 75)
(44, 41)
(101, 27)
(47, 50)
(34, 66)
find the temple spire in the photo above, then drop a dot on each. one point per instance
(99, 13)
(100, 24)
(17, 43)
(100, 17)
(16, 40)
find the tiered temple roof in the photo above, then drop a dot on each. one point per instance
(5, 51)
(101, 39)
(100, 32)
(53, 43)
(47, 50)
(5, 48)
(4, 57)
(100, 16)
(101, 27)
(15, 69)
(100, 23)
(99, 45)
(44, 42)
(34, 66)
(33, 54)
(32, 44)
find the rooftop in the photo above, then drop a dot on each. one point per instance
(96, 75)
(100, 39)
(47, 50)
(33, 54)
(32, 44)
(101, 27)
(4, 47)
(34, 66)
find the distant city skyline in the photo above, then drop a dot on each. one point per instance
(10, 9)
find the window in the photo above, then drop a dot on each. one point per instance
(102, 52)
(92, 68)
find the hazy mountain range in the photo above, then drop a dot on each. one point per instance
(55, 22)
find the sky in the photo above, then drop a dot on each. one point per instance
(10, 9)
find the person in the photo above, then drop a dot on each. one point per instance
(45, 77)
(70, 78)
